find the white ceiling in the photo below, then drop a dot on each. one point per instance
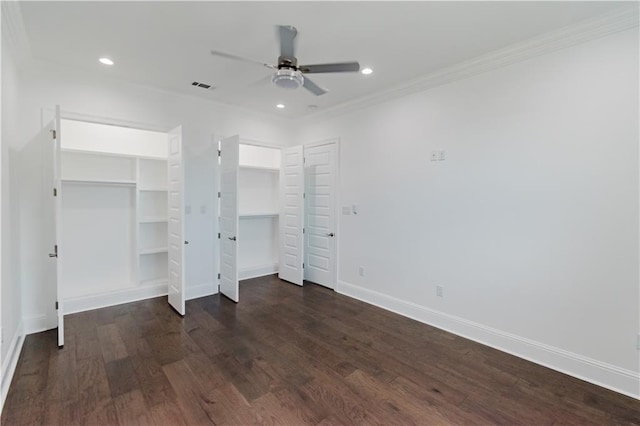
(166, 44)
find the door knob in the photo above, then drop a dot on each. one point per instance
(331, 234)
(53, 254)
(186, 242)
(232, 238)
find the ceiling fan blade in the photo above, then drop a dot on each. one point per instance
(313, 88)
(240, 58)
(338, 67)
(287, 35)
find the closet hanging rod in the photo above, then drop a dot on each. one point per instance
(100, 182)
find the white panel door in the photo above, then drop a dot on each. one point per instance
(229, 158)
(50, 138)
(291, 215)
(320, 221)
(176, 221)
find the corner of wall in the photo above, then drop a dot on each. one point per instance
(10, 363)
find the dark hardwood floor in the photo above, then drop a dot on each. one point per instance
(286, 355)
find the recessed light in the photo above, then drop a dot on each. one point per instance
(106, 61)
(366, 71)
(280, 106)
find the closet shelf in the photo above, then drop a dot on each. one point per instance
(154, 250)
(153, 188)
(263, 168)
(154, 219)
(257, 215)
(113, 182)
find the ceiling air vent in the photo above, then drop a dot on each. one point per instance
(203, 85)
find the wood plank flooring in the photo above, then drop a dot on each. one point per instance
(286, 356)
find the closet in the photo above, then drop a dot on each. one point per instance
(114, 215)
(277, 213)
(249, 212)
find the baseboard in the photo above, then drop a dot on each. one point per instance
(73, 305)
(201, 290)
(35, 324)
(258, 271)
(609, 376)
(10, 363)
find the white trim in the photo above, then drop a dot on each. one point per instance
(115, 297)
(609, 376)
(200, 290)
(10, 363)
(38, 323)
(257, 271)
(618, 20)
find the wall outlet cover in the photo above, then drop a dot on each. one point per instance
(346, 210)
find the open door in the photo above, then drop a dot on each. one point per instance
(50, 138)
(176, 221)
(229, 158)
(291, 215)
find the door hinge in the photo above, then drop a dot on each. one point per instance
(54, 133)
(55, 192)
(219, 153)
(302, 265)
(304, 160)
(56, 305)
(218, 275)
(304, 195)
(218, 235)
(218, 194)
(303, 230)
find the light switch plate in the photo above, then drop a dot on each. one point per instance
(346, 210)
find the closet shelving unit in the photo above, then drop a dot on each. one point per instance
(152, 213)
(140, 216)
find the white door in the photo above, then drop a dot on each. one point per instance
(320, 221)
(50, 137)
(229, 158)
(291, 215)
(176, 221)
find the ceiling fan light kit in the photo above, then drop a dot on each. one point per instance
(288, 74)
(288, 78)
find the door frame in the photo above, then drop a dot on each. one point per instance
(111, 121)
(335, 141)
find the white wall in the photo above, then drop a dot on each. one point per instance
(531, 222)
(80, 94)
(10, 290)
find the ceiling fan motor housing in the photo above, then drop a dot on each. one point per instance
(288, 78)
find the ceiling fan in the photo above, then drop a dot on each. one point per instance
(288, 74)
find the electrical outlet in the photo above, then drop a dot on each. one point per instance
(361, 271)
(439, 291)
(346, 210)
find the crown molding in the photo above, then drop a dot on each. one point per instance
(618, 20)
(14, 33)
